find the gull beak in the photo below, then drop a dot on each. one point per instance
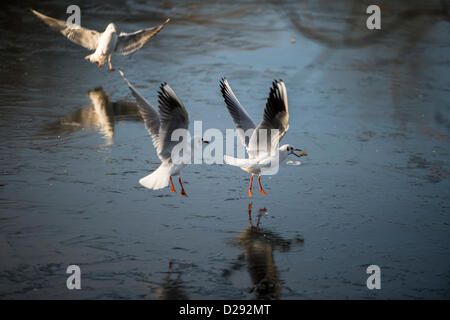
(205, 141)
(301, 153)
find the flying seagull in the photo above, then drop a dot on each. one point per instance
(104, 44)
(172, 116)
(260, 141)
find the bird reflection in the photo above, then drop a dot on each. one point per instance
(100, 115)
(258, 245)
(173, 287)
(407, 25)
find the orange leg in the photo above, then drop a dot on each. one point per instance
(250, 187)
(99, 65)
(182, 189)
(172, 188)
(110, 65)
(260, 186)
(250, 213)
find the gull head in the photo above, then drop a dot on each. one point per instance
(287, 148)
(111, 28)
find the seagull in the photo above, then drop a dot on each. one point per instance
(104, 44)
(276, 116)
(172, 116)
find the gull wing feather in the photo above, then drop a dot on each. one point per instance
(148, 113)
(173, 116)
(240, 117)
(275, 117)
(84, 37)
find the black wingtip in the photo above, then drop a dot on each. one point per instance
(165, 91)
(33, 11)
(162, 92)
(275, 84)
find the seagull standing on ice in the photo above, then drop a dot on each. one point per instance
(172, 116)
(261, 151)
(104, 44)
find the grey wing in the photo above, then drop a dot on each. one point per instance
(82, 36)
(240, 117)
(130, 42)
(276, 116)
(148, 113)
(173, 116)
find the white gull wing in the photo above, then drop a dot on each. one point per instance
(240, 117)
(173, 116)
(84, 37)
(130, 42)
(276, 117)
(103, 111)
(148, 113)
(253, 165)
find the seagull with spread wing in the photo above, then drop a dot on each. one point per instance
(172, 116)
(104, 44)
(260, 141)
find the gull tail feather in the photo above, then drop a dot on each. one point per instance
(158, 179)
